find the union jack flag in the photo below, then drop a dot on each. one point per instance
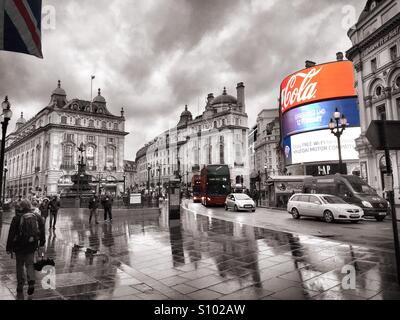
(20, 26)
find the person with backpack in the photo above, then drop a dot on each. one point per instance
(54, 206)
(25, 236)
(93, 205)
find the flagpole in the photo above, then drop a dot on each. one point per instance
(91, 88)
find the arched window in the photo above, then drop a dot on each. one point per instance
(91, 123)
(115, 126)
(63, 120)
(46, 156)
(397, 82)
(38, 156)
(378, 91)
(77, 122)
(103, 125)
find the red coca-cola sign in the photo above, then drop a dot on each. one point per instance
(322, 82)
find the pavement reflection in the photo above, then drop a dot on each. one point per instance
(200, 257)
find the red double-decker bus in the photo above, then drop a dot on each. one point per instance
(215, 185)
(196, 186)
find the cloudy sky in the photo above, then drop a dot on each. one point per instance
(154, 56)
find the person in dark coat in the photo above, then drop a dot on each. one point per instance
(44, 209)
(93, 205)
(24, 248)
(54, 206)
(107, 206)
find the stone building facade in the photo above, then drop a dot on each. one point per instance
(41, 154)
(217, 136)
(376, 57)
(267, 155)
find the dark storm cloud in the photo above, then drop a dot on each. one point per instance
(154, 56)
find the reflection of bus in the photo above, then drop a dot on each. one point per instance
(215, 184)
(196, 185)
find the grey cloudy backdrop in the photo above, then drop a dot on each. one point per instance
(154, 56)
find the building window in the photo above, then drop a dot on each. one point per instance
(91, 123)
(63, 120)
(90, 153)
(78, 122)
(90, 138)
(103, 125)
(238, 153)
(110, 158)
(393, 52)
(115, 126)
(69, 137)
(374, 65)
(378, 91)
(381, 111)
(68, 153)
(215, 124)
(32, 162)
(110, 140)
(221, 150)
(397, 82)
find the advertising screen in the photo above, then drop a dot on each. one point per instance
(322, 82)
(316, 116)
(320, 146)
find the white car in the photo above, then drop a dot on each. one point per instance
(239, 201)
(328, 207)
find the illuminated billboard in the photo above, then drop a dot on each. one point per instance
(308, 100)
(316, 116)
(321, 147)
(322, 82)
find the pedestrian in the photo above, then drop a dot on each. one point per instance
(35, 206)
(93, 205)
(44, 209)
(54, 206)
(25, 236)
(107, 206)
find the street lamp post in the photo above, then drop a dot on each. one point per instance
(5, 118)
(148, 182)
(124, 183)
(337, 125)
(159, 181)
(4, 182)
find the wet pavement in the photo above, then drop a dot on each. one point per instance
(144, 257)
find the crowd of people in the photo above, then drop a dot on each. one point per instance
(27, 234)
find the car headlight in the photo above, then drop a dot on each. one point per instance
(208, 199)
(366, 204)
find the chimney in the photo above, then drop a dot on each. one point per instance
(310, 64)
(339, 56)
(210, 98)
(241, 96)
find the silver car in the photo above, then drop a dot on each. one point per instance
(239, 201)
(328, 207)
